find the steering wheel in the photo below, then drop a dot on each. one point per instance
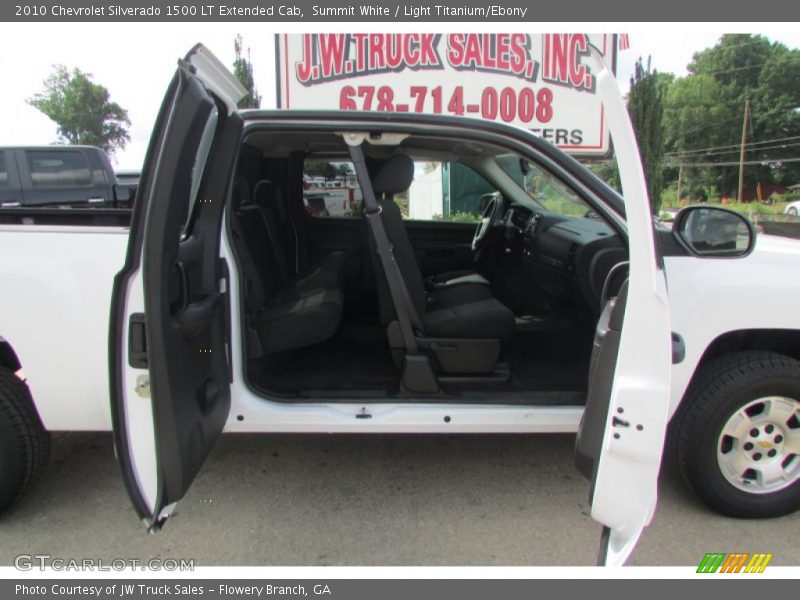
(487, 218)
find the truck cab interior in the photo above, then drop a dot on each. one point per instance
(482, 284)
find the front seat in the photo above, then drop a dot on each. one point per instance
(463, 326)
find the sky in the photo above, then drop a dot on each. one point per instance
(136, 61)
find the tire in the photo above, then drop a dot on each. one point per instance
(714, 406)
(792, 211)
(24, 443)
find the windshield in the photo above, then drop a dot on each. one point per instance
(543, 187)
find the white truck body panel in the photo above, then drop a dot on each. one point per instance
(710, 297)
(54, 309)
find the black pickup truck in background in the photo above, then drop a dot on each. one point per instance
(62, 176)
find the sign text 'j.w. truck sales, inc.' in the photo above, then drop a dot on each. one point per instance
(542, 82)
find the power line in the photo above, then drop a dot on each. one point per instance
(762, 115)
(701, 72)
(764, 162)
(731, 149)
(718, 47)
(704, 127)
(699, 150)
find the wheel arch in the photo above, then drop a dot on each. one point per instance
(780, 341)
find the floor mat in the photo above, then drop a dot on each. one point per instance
(552, 363)
(550, 360)
(356, 358)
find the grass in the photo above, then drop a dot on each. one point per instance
(755, 211)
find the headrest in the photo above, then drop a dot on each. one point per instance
(394, 176)
(264, 192)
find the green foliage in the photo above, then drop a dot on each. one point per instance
(320, 168)
(705, 110)
(459, 217)
(243, 71)
(669, 197)
(82, 110)
(607, 171)
(646, 109)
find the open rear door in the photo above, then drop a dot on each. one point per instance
(169, 348)
(621, 437)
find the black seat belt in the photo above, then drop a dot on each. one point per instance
(407, 315)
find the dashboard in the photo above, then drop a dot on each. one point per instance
(565, 256)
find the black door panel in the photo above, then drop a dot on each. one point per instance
(182, 335)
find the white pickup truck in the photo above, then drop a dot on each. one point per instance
(222, 303)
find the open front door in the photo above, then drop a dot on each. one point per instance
(169, 348)
(621, 437)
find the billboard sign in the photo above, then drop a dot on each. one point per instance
(541, 82)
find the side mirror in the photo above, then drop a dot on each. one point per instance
(714, 232)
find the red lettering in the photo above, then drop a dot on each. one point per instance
(489, 103)
(508, 104)
(361, 51)
(560, 58)
(577, 72)
(455, 52)
(486, 58)
(412, 52)
(519, 53)
(456, 104)
(394, 51)
(303, 68)
(472, 53)
(331, 54)
(428, 50)
(376, 58)
(502, 44)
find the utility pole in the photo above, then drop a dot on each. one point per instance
(680, 179)
(744, 141)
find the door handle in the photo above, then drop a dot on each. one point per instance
(194, 318)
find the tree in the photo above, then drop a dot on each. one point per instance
(646, 109)
(704, 114)
(320, 168)
(694, 117)
(82, 110)
(243, 71)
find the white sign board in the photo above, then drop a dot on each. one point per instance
(543, 82)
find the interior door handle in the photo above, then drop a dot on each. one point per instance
(194, 318)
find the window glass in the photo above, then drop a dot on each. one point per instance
(441, 191)
(200, 160)
(543, 187)
(330, 189)
(3, 172)
(61, 169)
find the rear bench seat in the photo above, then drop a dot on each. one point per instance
(286, 310)
(267, 197)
